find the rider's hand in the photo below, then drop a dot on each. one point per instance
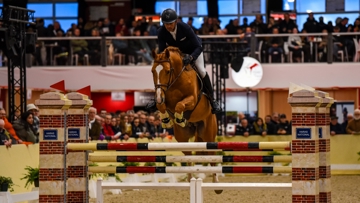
(187, 59)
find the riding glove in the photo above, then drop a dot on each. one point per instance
(187, 59)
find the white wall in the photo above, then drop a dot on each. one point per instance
(237, 101)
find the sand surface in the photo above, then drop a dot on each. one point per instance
(345, 189)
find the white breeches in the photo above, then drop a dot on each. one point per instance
(200, 64)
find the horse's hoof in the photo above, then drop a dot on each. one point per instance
(218, 191)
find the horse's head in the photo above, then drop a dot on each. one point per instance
(165, 70)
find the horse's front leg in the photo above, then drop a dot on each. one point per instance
(166, 122)
(186, 104)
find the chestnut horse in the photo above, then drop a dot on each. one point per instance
(179, 98)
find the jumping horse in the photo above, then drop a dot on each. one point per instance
(181, 102)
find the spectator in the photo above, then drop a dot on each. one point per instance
(125, 127)
(260, 127)
(121, 27)
(5, 137)
(8, 126)
(94, 126)
(353, 126)
(36, 123)
(79, 46)
(335, 127)
(287, 25)
(24, 127)
(284, 127)
(108, 131)
(244, 128)
(295, 45)
(270, 125)
(311, 25)
(276, 45)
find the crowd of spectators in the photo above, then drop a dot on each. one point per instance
(124, 125)
(303, 49)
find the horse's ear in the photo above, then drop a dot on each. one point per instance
(153, 53)
(167, 53)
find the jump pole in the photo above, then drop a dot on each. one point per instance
(178, 146)
(191, 169)
(196, 158)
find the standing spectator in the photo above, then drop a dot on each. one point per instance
(345, 123)
(36, 123)
(353, 126)
(335, 127)
(94, 126)
(270, 125)
(260, 127)
(24, 127)
(8, 126)
(311, 25)
(284, 127)
(5, 137)
(244, 128)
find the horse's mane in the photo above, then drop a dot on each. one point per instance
(173, 49)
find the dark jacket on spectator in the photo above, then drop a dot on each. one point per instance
(5, 135)
(311, 26)
(285, 126)
(24, 131)
(240, 130)
(336, 128)
(95, 130)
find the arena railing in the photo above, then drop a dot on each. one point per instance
(227, 44)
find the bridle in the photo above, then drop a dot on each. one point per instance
(166, 87)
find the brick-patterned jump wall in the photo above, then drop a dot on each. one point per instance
(324, 148)
(52, 121)
(53, 107)
(305, 147)
(76, 161)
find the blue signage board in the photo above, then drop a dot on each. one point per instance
(50, 134)
(303, 133)
(74, 133)
(320, 132)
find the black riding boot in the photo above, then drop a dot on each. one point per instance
(208, 89)
(151, 106)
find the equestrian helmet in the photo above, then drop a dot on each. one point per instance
(168, 16)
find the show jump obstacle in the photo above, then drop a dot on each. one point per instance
(64, 157)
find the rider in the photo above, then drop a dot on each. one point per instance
(180, 35)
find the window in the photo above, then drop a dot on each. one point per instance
(160, 6)
(48, 22)
(228, 7)
(303, 6)
(288, 5)
(352, 5)
(263, 6)
(301, 19)
(66, 10)
(202, 8)
(41, 10)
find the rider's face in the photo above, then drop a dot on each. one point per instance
(170, 26)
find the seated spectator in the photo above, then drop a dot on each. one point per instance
(108, 130)
(353, 126)
(283, 128)
(94, 126)
(114, 126)
(8, 126)
(141, 47)
(335, 127)
(338, 42)
(94, 48)
(276, 45)
(244, 128)
(79, 46)
(24, 127)
(295, 45)
(121, 46)
(260, 127)
(5, 137)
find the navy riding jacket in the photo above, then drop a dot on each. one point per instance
(186, 40)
